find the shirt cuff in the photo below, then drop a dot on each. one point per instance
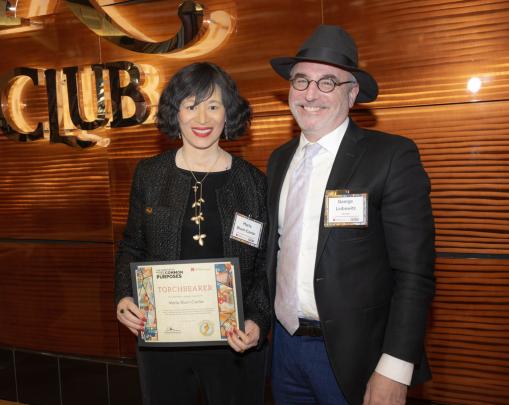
(395, 369)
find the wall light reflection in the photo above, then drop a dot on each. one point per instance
(474, 85)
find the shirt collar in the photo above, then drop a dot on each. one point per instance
(329, 142)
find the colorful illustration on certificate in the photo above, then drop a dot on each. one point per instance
(226, 297)
(146, 302)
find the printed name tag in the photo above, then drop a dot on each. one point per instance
(246, 230)
(343, 209)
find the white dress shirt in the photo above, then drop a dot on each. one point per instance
(389, 366)
(322, 165)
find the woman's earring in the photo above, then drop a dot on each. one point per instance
(179, 135)
(225, 130)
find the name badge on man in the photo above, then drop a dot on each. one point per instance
(344, 209)
(246, 230)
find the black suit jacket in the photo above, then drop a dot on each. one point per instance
(373, 286)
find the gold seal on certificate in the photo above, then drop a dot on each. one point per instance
(188, 302)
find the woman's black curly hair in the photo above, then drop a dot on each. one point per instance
(199, 80)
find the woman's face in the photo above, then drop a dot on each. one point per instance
(201, 125)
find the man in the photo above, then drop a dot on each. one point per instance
(351, 245)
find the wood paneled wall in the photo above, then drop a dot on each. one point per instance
(63, 209)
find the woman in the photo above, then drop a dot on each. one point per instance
(200, 104)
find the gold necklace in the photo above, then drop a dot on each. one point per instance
(199, 201)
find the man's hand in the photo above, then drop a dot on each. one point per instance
(384, 391)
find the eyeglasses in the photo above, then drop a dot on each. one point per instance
(325, 84)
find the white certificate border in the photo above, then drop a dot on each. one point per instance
(237, 288)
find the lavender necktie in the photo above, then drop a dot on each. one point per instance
(286, 304)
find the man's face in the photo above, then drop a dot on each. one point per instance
(316, 112)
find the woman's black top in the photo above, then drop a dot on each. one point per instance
(211, 226)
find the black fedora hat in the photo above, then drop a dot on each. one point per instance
(331, 45)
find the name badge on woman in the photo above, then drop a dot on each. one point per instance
(343, 209)
(246, 230)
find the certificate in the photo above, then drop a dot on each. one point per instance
(188, 302)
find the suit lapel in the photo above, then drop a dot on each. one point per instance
(172, 204)
(278, 166)
(277, 177)
(171, 181)
(347, 159)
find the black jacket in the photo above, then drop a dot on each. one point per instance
(373, 286)
(159, 197)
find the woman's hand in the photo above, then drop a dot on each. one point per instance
(130, 315)
(242, 341)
